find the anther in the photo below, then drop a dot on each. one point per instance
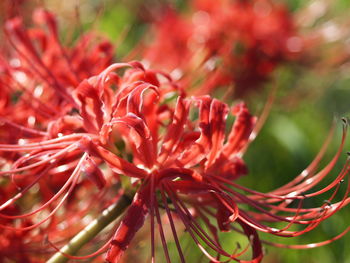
(327, 202)
(345, 121)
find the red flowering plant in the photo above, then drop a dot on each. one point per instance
(55, 158)
(194, 173)
(37, 69)
(185, 158)
(131, 141)
(37, 76)
(237, 43)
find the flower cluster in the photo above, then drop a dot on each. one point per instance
(79, 133)
(240, 43)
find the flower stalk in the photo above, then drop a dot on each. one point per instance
(91, 230)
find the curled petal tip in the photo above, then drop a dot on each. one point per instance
(137, 64)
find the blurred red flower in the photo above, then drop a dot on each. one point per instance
(239, 43)
(99, 127)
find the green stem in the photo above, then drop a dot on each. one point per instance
(91, 230)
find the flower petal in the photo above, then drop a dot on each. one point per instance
(241, 130)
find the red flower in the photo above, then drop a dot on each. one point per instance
(38, 74)
(193, 173)
(186, 159)
(182, 164)
(37, 67)
(79, 143)
(237, 43)
(139, 123)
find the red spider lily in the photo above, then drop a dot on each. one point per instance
(194, 172)
(242, 42)
(55, 159)
(186, 159)
(172, 169)
(142, 125)
(42, 70)
(38, 74)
